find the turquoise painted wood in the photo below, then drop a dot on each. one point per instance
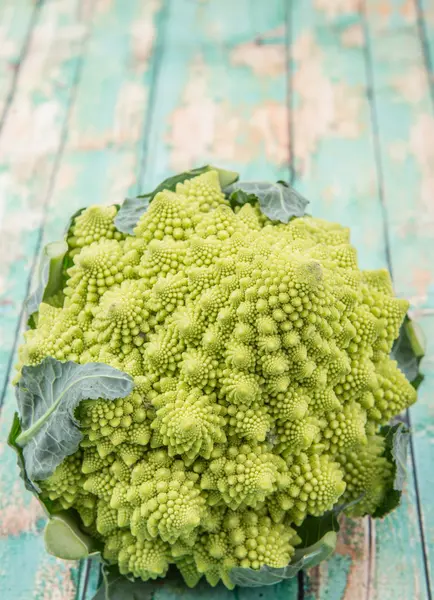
(16, 25)
(102, 98)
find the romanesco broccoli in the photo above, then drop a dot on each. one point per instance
(260, 356)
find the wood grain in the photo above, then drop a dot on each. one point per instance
(17, 20)
(63, 173)
(103, 98)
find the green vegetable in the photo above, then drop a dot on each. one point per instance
(133, 208)
(215, 386)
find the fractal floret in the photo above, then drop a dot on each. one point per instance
(258, 356)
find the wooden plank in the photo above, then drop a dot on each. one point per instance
(105, 138)
(102, 155)
(425, 17)
(17, 19)
(333, 156)
(30, 142)
(171, 591)
(422, 422)
(221, 94)
(29, 146)
(403, 105)
(335, 166)
(406, 124)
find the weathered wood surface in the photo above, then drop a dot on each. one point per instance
(101, 98)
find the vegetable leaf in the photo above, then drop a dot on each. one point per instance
(51, 273)
(133, 208)
(130, 212)
(50, 280)
(12, 442)
(47, 396)
(408, 351)
(64, 539)
(397, 438)
(278, 201)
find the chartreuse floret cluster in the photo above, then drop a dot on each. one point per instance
(260, 357)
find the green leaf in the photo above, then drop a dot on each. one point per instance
(130, 212)
(278, 201)
(12, 442)
(47, 396)
(397, 439)
(64, 539)
(63, 536)
(117, 587)
(240, 197)
(47, 504)
(225, 177)
(51, 274)
(408, 351)
(133, 208)
(50, 279)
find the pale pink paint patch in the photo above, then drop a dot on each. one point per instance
(422, 147)
(269, 128)
(353, 542)
(266, 60)
(421, 279)
(221, 130)
(19, 511)
(53, 580)
(132, 97)
(323, 108)
(408, 10)
(143, 34)
(335, 8)
(412, 85)
(197, 113)
(353, 36)
(398, 151)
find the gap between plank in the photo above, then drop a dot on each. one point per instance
(423, 37)
(289, 90)
(419, 513)
(86, 579)
(380, 190)
(52, 179)
(17, 67)
(370, 545)
(375, 132)
(300, 581)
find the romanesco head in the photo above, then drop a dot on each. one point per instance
(260, 356)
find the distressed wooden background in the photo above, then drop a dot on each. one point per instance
(103, 98)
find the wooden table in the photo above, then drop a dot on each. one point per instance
(103, 98)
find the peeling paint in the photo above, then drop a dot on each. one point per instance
(335, 8)
(267, 60)
(353, 36)
(411, 85)
(53, 581)
(421, 136)
(324, 108)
